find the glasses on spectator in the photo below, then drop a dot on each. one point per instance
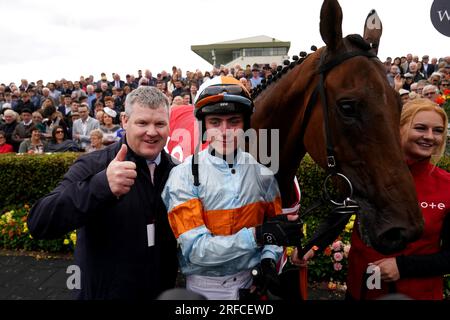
(444, 84)
(428, 94)
(59, 131)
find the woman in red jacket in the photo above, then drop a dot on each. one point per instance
(4, 147)
(416, 272)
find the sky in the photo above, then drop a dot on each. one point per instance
(49, 39)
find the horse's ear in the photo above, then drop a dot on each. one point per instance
(331, 24)
(373, 30)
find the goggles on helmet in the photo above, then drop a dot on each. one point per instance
(223, 93)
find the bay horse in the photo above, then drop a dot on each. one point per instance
(354, 114)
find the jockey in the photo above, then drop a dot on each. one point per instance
(224, 207)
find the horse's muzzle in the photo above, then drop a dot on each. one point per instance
(394, 240)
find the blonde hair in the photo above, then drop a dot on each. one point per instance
(409, 111)
(96, 132)
(9, 112)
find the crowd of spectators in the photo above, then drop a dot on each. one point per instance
(85, 115)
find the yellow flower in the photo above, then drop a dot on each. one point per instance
(289, 251)
(25, 228)
(349, 227)
(66, 241)
(26, 206)
(304, 230)
(332, 285)
(73, 237)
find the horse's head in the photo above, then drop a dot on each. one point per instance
(364, 113)
(363, 121)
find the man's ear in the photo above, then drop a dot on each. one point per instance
(125, 122)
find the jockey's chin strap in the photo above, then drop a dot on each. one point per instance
(348, 205)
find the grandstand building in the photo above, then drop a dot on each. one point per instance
(260, 49)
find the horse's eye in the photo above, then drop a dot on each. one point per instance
(347, 107)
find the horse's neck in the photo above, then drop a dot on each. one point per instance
(281, 106)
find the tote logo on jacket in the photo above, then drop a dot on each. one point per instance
(432, 205)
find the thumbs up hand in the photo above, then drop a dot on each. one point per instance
(120, 173)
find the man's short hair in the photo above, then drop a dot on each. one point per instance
(146, 96)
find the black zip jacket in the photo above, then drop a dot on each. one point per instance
(112, 248)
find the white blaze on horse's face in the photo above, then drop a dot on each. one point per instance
(222, 131)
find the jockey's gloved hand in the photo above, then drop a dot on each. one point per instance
(269, 274)
(280, 231)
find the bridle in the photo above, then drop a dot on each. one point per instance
(348, 206)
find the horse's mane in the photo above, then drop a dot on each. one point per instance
(354, 39)
(280, 71)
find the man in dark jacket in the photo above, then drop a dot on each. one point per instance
(23, 129)
(125, 247)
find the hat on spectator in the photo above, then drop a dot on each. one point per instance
(110, 112)
(425, 57)
(255, 67)
(25, 110)
(6, 106)
(403, 92)
(409, 75)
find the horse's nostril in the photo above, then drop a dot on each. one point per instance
(393, 240)
(393, 234)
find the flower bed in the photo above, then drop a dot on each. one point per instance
(34, 176)
(14, 234)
